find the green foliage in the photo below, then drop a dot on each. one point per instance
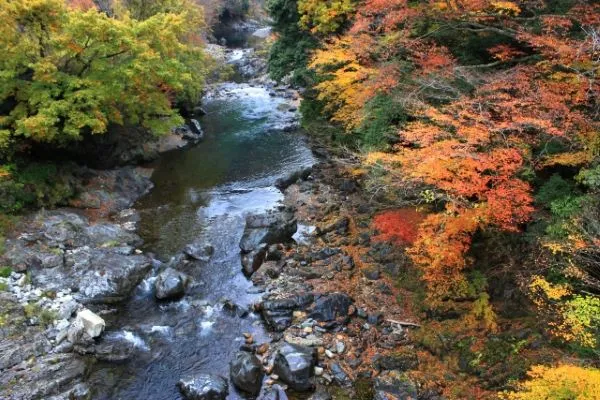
(34, 311)
(553, 189)
(65, 72)
(33, 185)
(5, 272)
(380, 126)
(291, 52)
(589, 177)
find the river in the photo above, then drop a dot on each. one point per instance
(204, 193)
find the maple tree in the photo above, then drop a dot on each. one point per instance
(67, 71)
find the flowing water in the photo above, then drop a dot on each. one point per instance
(204, 193)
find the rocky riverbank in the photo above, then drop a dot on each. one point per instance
(338, 330)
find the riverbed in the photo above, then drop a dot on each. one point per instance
(204, 194)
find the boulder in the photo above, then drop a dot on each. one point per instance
(295, 366)
(278, 314)
(170, 284)
(274, 392)
(246, 372)
(204, 387)
(291, 178)
(92, 324)
(401, 360)
(269, 228)
(331, 306)
(394, 386)
(340, 226)
(252, 261)
(113, 348)
(199, 251)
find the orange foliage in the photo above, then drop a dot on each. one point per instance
(399, 226)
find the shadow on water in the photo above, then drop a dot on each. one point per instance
(203, 193)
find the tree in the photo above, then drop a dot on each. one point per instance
(68, 72)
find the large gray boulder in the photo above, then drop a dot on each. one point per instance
(170, 284)
(246, 372)
(272, 227)
(98, 275)
(204, 387)
(295, 366)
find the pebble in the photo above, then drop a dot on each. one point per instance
(318, 371)
(340, 347)
(329, 354)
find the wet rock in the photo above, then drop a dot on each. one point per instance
(272, 227)
(197, 133)
(246, 372)
(295, 366)
(252, 261)
(348, 186)
(170, 284)
(112, 348)
(269, 270)
(331, 306)
(394, 386)
(401, 361)
(204, 387)
(291, 178)
(278, 314)
(339, 376)
(274, 392)
(275, 252)
(199, 251)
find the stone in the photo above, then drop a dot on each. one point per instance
(340, 226)
(375, 318)
(204, 387)
(246, 372)
(278, 314)
(170, 284)
(275, 392)
(269, 228)
(339, 375)
(199, 251)
(113, 348)
(394, 386)
(252, 261)
(92, 324)
(295, 366)
(331, 306)
(402, 360)
(291, 178)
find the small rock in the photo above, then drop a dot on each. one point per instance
(204, 387)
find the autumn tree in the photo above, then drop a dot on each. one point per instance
(68, 71)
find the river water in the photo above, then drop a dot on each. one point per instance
(204, 193)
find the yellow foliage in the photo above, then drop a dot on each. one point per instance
(344, 92)
(564, 382)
